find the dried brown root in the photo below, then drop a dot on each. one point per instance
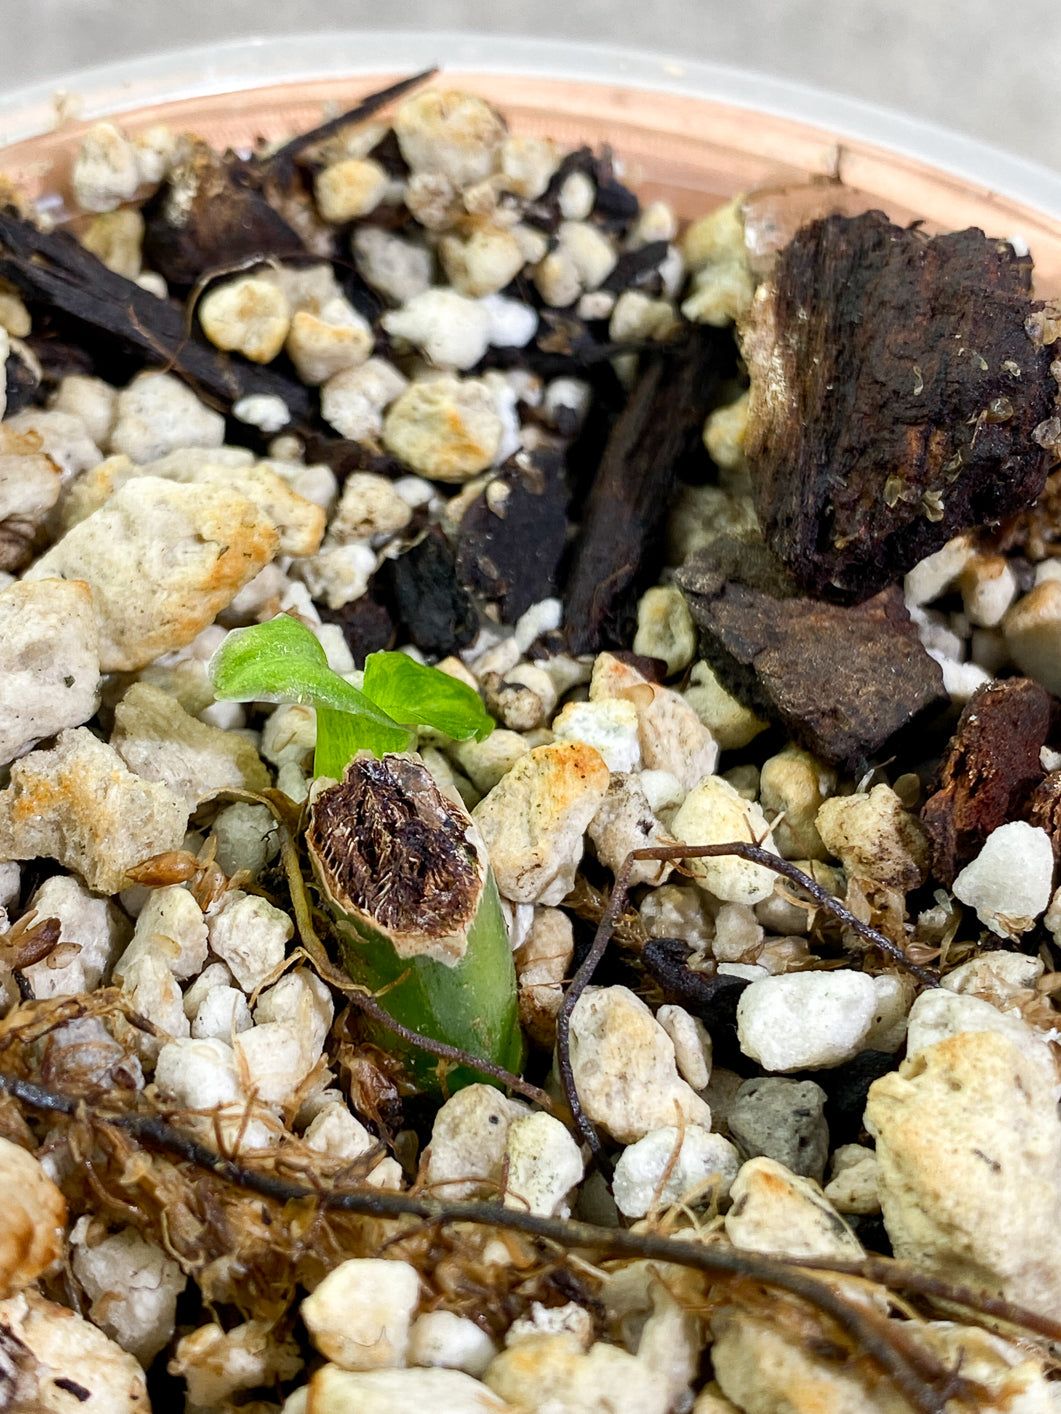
(924, 1382)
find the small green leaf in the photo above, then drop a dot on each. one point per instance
(411, 692)
(341, 735)
(281, 661)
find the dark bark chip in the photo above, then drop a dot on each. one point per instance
(894, 392)
(512, 536)
(990, 769)
(841, 680)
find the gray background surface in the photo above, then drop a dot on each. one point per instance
(987, 69)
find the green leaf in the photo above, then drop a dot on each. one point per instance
(281, 661)
(411, 692)
(341, 735)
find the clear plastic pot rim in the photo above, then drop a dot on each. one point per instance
(241, 65)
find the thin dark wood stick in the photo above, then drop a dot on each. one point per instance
(579, 983)
(276, 163)
(53, 268)
(887, 1271)
(755, 854)
(914, 1375)
(676, 854)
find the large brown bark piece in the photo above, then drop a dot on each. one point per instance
(842, 680)
(894, 393)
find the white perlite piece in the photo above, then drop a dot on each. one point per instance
(483, 261)
(624, 1068)
(888, 1031)
(853, 1186)
(162, 561)
(534, 819)
(485, 763)
(553, 1372)
(116, 238)
(57, 1348)
(59, 435)
(624, 822)
(200, 1075)
(672, 736)
(466, 1154)
(298, 521)
(93, 924)
(794, 785)
(152, 991)
(250, 935)
(369, 509)
(1010, 880)
(672, 1338)
(203, 1075)
(544, 1165)
(336, 1391)
(30, 483)
(875, 838)
(157, 414)
(610, 727)
(454, 133)
(266, 411)
(669, 1165)
(31, 1235)
(247, 315)
(715, 813)
(223, 1012)
(692, 1044)
(449, 329)
(803, 1020)
(444, 1340)
(360, 1314)
(542, 960)
(133, 1287)
(665, 628)
(571, 1319)
(327, 340)
(160, 741)
(996, 976)
(397, 268)
(215, 1363)
(1032, 632)
(49, 661)
(171, 927)
(353, 399)
(247, 837)
(105, 171)
(763, 1367)
(775, 1210)
(938, 1014)
(448, 429)
(349, 188)
(969, 1148)
(276, 1055)
(78, 804)
(339, 574)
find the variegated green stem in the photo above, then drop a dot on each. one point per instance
(471, 1005)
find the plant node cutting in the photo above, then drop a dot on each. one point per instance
(402, 868)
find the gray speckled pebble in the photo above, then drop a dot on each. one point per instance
(783, 1120)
